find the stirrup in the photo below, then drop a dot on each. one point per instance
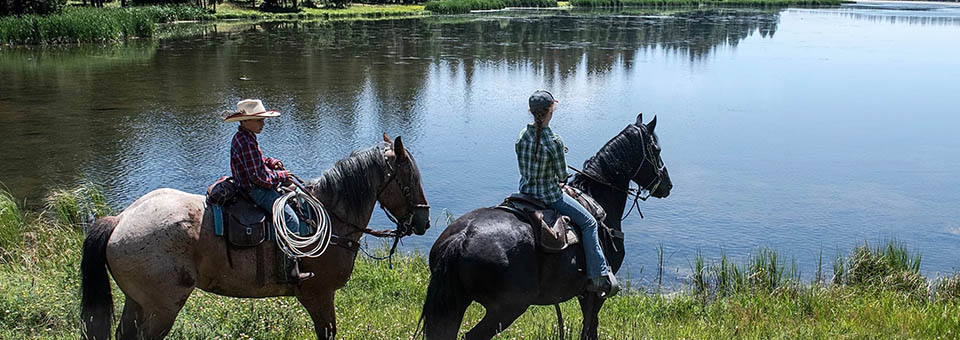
(614, 285)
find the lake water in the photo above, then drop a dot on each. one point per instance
(804, 130)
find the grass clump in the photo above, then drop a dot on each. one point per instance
(887, 267)
(465, 6)
(11, 226)
(738, 3)
(78, 205)
(948, 288)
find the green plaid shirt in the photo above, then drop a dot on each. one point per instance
(541, 177)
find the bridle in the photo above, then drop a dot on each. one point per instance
(637, 193)
(404, 223)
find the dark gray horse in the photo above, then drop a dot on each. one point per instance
(488, 255)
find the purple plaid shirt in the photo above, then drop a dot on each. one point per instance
(248, 165)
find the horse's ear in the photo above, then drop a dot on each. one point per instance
(398, 149)
(386, 139)
(639, 118)
(652, 124)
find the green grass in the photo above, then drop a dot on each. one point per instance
(114, 24)
(85, 24)
(39, 297)
(465, 6)
(229, 11)
(737, 3)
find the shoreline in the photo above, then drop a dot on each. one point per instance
(917, 2)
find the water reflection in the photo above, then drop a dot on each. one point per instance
(148, 110)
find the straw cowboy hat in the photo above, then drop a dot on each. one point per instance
(250, 109)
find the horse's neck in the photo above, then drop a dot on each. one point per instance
(356, 212)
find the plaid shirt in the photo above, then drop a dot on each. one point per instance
(541, 177)
(248, 165)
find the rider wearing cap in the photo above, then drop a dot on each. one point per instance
(543, 170)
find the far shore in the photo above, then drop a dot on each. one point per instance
(948, 3)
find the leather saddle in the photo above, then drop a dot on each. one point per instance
(552, 231)
(244, 223)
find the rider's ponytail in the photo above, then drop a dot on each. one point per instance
(538, 116)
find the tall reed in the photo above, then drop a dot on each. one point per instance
(84, 24)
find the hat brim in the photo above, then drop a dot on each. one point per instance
(248, 116)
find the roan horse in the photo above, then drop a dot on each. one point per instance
(163, 246)
(488, 255)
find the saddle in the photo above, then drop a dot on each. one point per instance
(240, 221)
(552, 231)
(246, 225)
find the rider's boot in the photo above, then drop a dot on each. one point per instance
(605, 286)
(297, 276)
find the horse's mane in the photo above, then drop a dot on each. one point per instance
(350, 178)
(612, 161)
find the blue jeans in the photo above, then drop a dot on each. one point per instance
(264, 198)
(596, 262)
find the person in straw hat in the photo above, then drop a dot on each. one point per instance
(260, 176)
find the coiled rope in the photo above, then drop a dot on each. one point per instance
(291, 242)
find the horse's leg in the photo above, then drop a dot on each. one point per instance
(590, 306)
(496, 319)
(448, 324)
(319, 303)
(131, 318)
(152, 321)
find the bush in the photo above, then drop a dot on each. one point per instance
(21, 7)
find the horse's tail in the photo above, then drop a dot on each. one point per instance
(446, 299)
(97, 298)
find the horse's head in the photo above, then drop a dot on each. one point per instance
(402, 194)
(652, 173)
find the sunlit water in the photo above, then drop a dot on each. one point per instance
(805, 130)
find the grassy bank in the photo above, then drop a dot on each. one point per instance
(877, 292)
(465, 6)
(732, 3)
(228, 11)
(85, 24)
